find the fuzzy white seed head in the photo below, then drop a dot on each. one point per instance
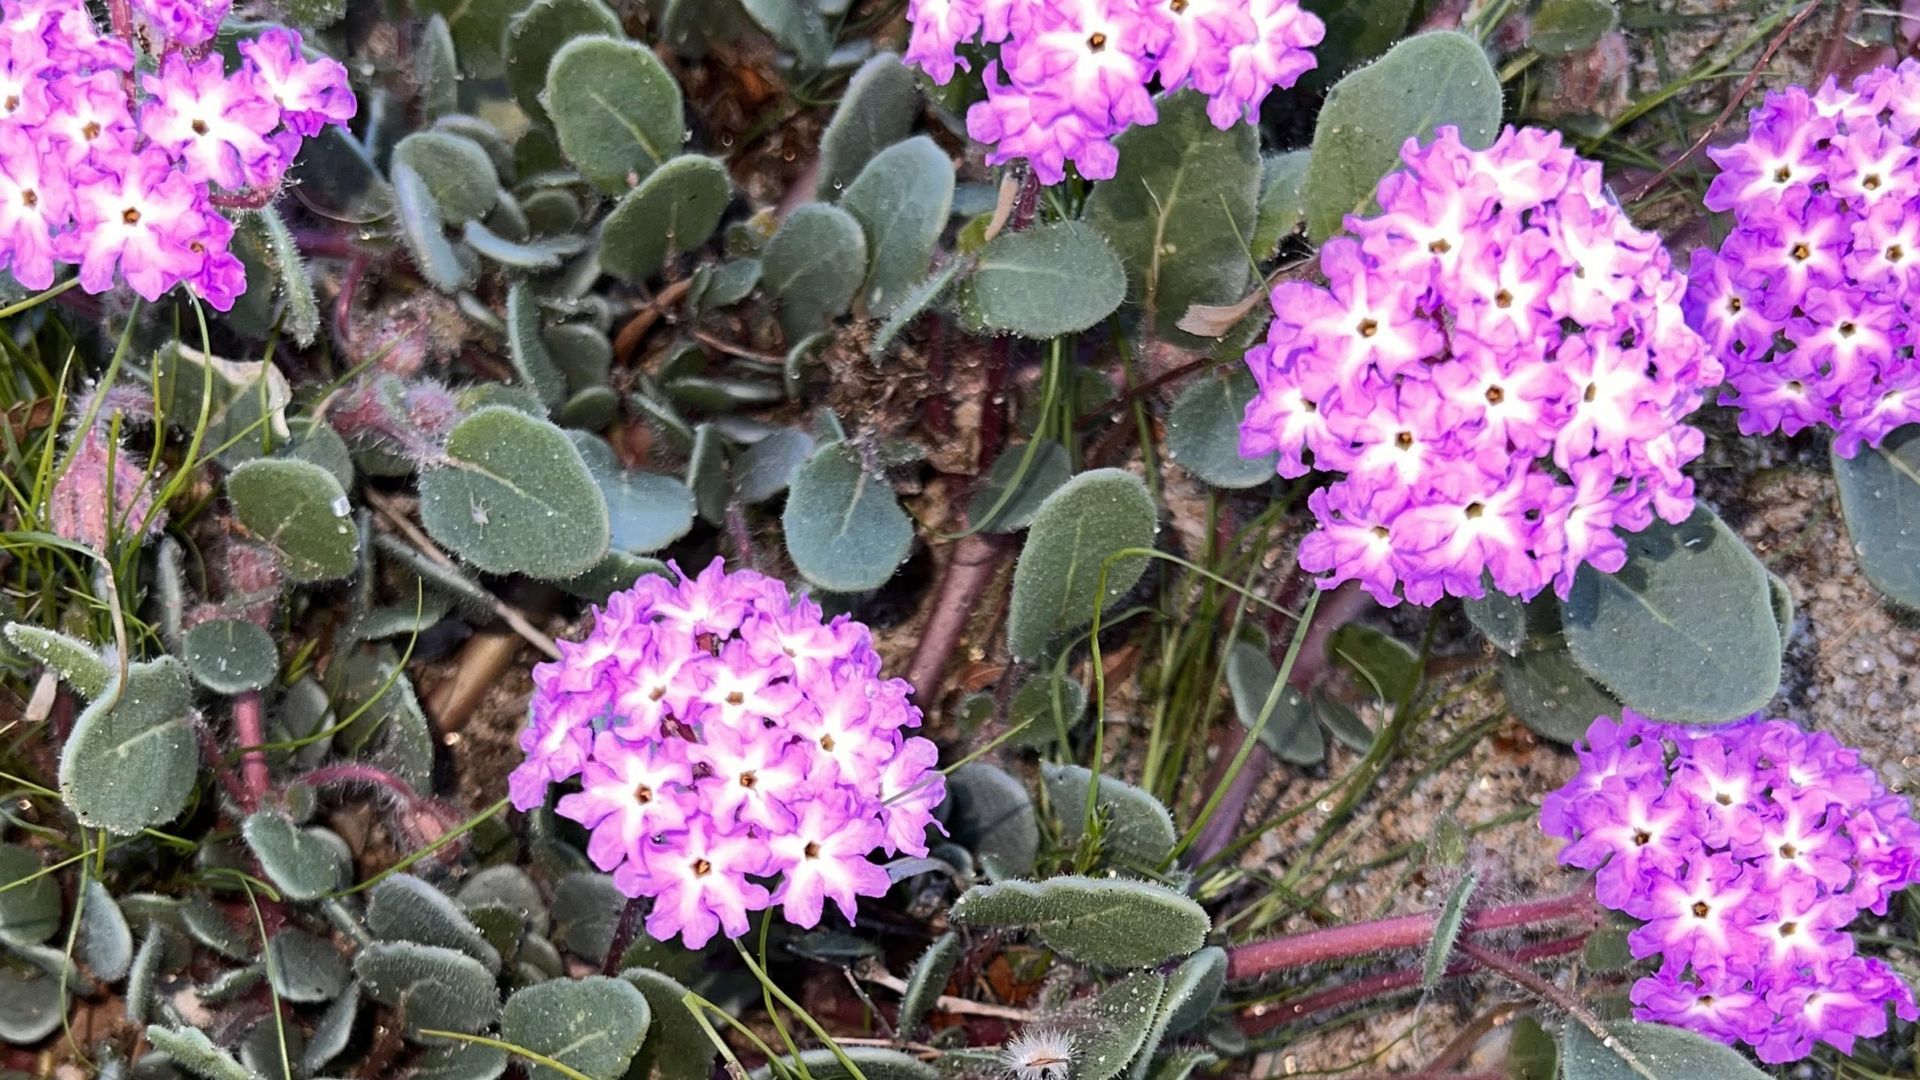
(1038, 1054)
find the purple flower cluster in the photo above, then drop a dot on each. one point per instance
(724, 734)
(186, 23)
(1744, 851)
(1810, 301)
(118, 175)
(1498, 364)
(1077, 71)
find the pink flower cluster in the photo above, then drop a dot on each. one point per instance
(1811, 299)
(114, 178)
(1498, 364)
(724, 734)
(1077, 71)
(187, 23)
(1744, 851)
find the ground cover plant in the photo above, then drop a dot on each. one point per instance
(916, 539)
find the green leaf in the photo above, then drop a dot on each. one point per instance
(1122, 1018)
(231, 656)
(876, 110)
(1684, 632)
(315, 441)
(1552, 695)
(332, 1031)
(456, 170)
(901, 200)
(527, 348)
(1383, 663)
(1880, 499)
(290, 274)
(595, 1024)
(1290, 732)
(1110, 922)
(676, 1047)
(1057, 583)
(1048, 469)
(78, 664)
(1356, 32)
(1045, 710)
(1138, 830)
(437, 988)
(299, 510)
(796, 26)
(617, 111)
(1509, 622)
(132, 761)
(581, 352)
(675, 209)
(1181, 210)
(647, 512)
(477, 26)
(304, 864)
(707, 473)
(1283, 200)
(436, 67)
(1659, 1052)
(433, 255)
(691, 27)
(1203, 431)
(190, 1049)
(1560, 27)
(105, 942)
(1181, 1064)
(913, 304)
(927, 981)
(29, 913)
(1427, 81)
(405, 908)
(521, 255)
(1193, 989)
(766, 468)
(813, 266)
(306, 967)
(514, 497)
(875, 1063)
(991, 814)
(31, 1006)
(1045, 282)
(1446, 930)
(460, 1061)
(844, 528)
(1531, 1053)
(536, 36)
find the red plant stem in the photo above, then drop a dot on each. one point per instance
(974, 561)
(244, 199)
(250, 728)
(1262, 1019)
(1258, 958)
(356, 773)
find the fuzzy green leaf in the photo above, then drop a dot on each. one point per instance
(901, 200)
(438, 988)
(595, 1025)
(299, 510)
(305, 864)
(874, 1063)
(436, 67)
(795, 25)
(536, 36)
(132, 761)
(875, 112)
(927, 981)
(1290, 731)
(1181, 210)
(1427, 81)
(813, 266)
(405, 908)
(991, 814)
(617, 111)
(676, 1047)
(1045, 282)
(31, 1006)
(1283, 200)
(30, 912)
(844, 527)
(1446, 930)
(306, 967)
(1880, 499)
(675, 209)
(78, 664)
(1046, 472)
(231, 656)
(1057, 584)
(457, 171)
(1137, 829)
(1659, 1052)
(419, 216)
(527, 348)
(290, 274)
(1203, 432)
(1685, 630)
(521, 254)
(1560, 27)
(1110, 922)
(1383, 663)
(766, 468)
(106, 941)
(1122, 1021)
(1550, 694)
(514, 497)
(190, 1049)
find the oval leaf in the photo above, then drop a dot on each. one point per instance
(595, 1025)
(305, 864)
(1043, 283)
(230, 656)
(132, 760)
(814, 266)
(1057, 584)
(513, 497)
(456, 170)
(1135, 827)
(537, 35)
(902, 200)
(991, 814)
(1111, 922)
(437, 988)
(300, 511)
(1659, 1051)
(676, 1046)
(844, 527)
(675, 209)
(1880, 498)
(405, 908)
(29, 909)
(616, 110)
(875, 111)
(1684, 632)
(1203, 432)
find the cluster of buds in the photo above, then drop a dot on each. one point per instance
(123, 171)
(1499, 366)
(1744, 851)
(1077, 71)
(725, 735)
(1810, 299)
